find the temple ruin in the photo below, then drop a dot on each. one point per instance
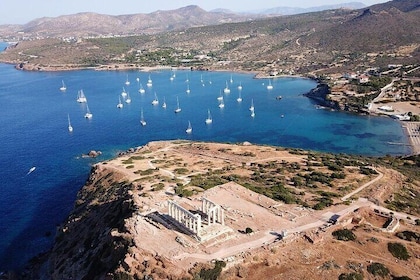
(213, 214)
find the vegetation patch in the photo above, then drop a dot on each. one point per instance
(378, 269)
(398, 250)
(212, 273)
(344, 235)
(350, 276)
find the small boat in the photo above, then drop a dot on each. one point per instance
(149, 82)
(239, 99)
(32, 169)
(279, 97)
(226, 90)
(138, 80)
(141, 89)
(124, 93)
(252, 105)
(119, 105)
(231, 79)
(269, 86)
(240, 86)
(155, 101)
(81, 98)
(221, 105)
(142, 121)
(63, 87)
(177, 109)
(128, 99)
(164, 103)
(252, 113)
(127, 82)
(220, 97)
(201, 78)
(209, 120)
(88, 114)
(188, 89)
(189, 129)
(69, 127)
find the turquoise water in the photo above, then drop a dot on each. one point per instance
(34, 132)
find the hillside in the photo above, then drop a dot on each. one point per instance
(92, 24)
(320, 42)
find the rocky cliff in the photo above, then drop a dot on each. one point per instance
(320, 95)
(96, 241)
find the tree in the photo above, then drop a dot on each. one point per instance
(378, 269)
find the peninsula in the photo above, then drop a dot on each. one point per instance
(168, 209)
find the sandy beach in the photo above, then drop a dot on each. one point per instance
(412, 130)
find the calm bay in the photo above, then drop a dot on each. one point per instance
(34, 133)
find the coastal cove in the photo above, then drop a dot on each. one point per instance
(35, 133)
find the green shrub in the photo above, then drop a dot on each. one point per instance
(401, 278)
(409, 235)
(212, 273)
(378, 269)
(248, 230)
(398, 250)
(350, 276)
(344, 235)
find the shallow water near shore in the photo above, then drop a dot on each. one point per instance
(34, 133)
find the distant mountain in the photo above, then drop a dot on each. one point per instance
(93, 24)
(295, 11)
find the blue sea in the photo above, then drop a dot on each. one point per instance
(34, 133)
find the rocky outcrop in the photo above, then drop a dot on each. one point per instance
(321, 95)
(93, 240)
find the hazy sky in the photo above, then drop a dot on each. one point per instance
(23, 11)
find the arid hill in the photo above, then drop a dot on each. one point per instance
(93, 24)
(330, 41)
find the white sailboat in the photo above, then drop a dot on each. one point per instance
(128, 99)
(138, 80)
(142, 121)
(127, 82)
(209, 120)
(221, 104)
(239, 99)
(149, 82)
(164, 103)
(226, 90)
(240, 86)
(88, 114)
(220, 97)
(63, 87)
(231, 79)
(81, 98)
(177, 109)
(189, 128)
(124, 93)
(253, 113)
(69, 127)
(156, 100)
(188, 89)
(252, 105)
(269, 86)
(119, 105)
(141, 89)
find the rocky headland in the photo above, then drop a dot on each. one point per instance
(120, 228)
